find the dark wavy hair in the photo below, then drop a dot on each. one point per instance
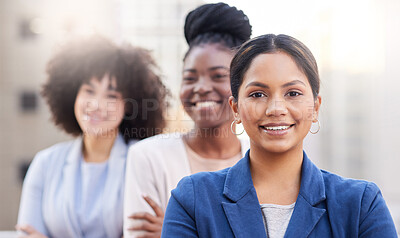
(136, 76)
(216, 23)
(271, 43)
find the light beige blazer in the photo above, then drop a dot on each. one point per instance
(154, 167)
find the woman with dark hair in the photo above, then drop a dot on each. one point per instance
(275, 190)
(95, 91)
(155, 165)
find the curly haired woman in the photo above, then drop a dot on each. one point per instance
(97, 92)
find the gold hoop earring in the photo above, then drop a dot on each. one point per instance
(319, 127)
(234, 121)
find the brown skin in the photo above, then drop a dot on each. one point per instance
(276, 93)
(99, 110)
(29, 231)
(151, 224)
(205, 79)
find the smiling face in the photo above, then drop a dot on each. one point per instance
(276, 103)
(99, 108)
(205, 86)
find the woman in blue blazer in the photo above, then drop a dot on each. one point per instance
(275, 190)
(94, 90)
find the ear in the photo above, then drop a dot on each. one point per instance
(235, 108)
(317, 106)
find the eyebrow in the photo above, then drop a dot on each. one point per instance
(218, 67)
(110, 86)
(190, 70)
(209, 69)
(259, 84)
(294, 82)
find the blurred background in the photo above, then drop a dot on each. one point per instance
(356, 44)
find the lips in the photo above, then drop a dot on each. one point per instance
(273, 128)
(276, 128)
(204, 104)
(93, 118)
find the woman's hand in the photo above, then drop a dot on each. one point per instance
(151, 225)
(29, 231)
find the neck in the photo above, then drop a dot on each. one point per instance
(276, 176)
(213, 142)
(97, 149)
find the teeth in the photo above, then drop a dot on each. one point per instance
(91, 118)
(206, 104)
(276, 128)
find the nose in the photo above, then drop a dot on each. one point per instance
(276, 107)
(91, 105)
(99, 104)
(103, 104)
(107, 106)
(202, 86)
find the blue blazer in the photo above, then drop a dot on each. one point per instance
(225, 204)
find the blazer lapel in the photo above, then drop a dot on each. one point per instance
(245, 217)
(70, 176)
(304, 219)
(243, 212)
(306, 214)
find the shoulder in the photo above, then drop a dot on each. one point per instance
(358, 203)
(162, 141)
(347, 186)
(201, 184)
(210, 178)
(157, 147)
(353, 194)
(54, 153)
(46, 161)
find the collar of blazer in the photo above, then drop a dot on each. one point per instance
(240, 190)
